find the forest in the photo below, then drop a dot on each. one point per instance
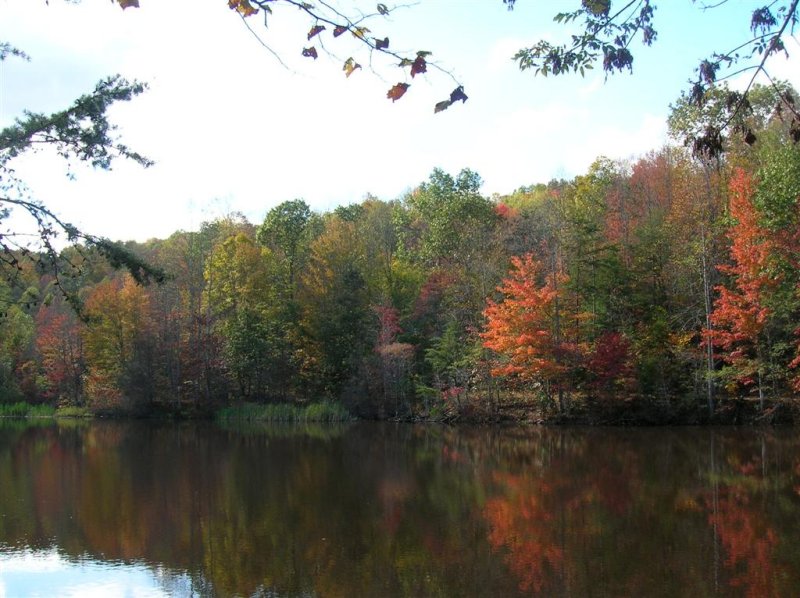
(657, 289)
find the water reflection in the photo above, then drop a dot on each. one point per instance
(378, 510)
(48, 573)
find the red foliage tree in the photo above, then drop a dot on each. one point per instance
(60, 345)
(609, 363)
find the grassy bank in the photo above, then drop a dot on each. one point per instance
(22, 409)
(284, 412)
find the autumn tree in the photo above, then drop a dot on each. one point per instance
(446, 230)
(118, 346)
(60, 345)
(523, 329)
(598, 282)
(741, 310)
(395, 359)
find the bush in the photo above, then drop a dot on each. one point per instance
(73, 412)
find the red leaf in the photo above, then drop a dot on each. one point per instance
(128, 3)
(419, 66)
(396, 92)
(381, 44)
(315, 30)
(310, 52)
(338, 30)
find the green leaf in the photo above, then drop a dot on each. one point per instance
(444, 105)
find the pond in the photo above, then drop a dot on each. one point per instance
(367, 509)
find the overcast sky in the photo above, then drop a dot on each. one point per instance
(231, 128)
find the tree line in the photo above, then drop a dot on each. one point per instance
(671, 278)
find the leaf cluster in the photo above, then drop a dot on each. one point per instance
(325, 17)
(602, 36)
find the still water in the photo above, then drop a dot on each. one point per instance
(143, 509)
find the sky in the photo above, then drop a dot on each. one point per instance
(235, 127)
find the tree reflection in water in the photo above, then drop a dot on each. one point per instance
(377, 509)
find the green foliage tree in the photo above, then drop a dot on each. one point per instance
(452, 358)
(241, 293)
(16, 336)
(287, 230)
(337, 316)
(441, 214)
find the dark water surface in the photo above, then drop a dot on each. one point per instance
(143, 509)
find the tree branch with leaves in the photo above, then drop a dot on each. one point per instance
(324, 17)
(81, 132)
(605, 36)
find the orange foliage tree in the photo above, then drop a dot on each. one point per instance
(115, 342)
(741, 311)
(526, 329)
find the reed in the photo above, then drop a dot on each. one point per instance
(285, 412)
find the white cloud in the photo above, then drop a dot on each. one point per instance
(230, 127)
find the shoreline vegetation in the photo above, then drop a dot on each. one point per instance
(27, 410)
(521, 411)
(322, 412)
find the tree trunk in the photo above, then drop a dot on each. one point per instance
(709, 344)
